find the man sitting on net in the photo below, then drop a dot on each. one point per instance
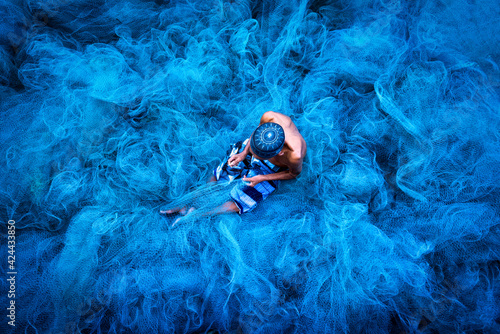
(274, 152)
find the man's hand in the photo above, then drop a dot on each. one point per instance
(236, 159)
(254, 180)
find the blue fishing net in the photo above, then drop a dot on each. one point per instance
(111, 111)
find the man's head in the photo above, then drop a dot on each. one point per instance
(267, 140)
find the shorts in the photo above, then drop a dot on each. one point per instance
(246, 197)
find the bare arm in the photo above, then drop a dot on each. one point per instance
(294, 169)
(246, 151)
(284, 175)
(237, 158)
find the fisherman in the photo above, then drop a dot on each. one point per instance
(274, 152)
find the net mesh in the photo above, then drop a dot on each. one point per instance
(114, 110)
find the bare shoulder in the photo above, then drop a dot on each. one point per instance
(294, 139)
(273, 116)
(267, 117)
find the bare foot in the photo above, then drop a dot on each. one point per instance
(183, 214)
(181, 210)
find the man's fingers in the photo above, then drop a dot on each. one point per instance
(184, 213)
(248, 181)
(235, 159)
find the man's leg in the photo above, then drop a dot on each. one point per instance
(183, 210)
(227, 207)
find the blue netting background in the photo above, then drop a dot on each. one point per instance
(111, 109)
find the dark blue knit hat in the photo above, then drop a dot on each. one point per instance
(267, 140)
